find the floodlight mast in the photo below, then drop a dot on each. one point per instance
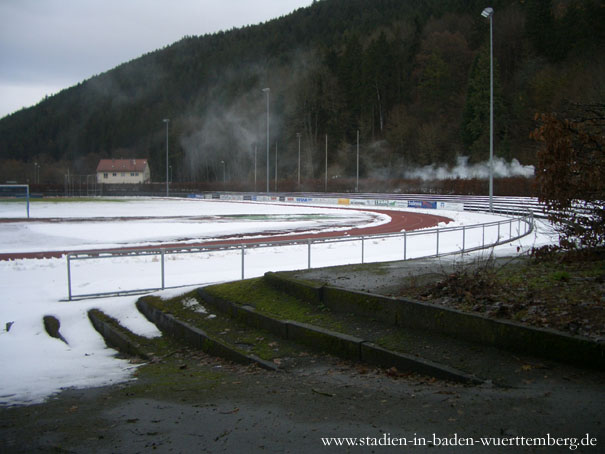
(167, 120)
(489, 13)
(267, 90)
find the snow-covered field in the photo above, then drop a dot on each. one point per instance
(35, 366)
(85, 225)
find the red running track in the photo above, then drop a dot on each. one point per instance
(400, 220)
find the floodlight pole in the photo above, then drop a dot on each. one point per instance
(357, 180)
(267, 90)
(326, 177)
(255, 168)
(167, 120)
(298, 135)
(489, 13)
(276, 166)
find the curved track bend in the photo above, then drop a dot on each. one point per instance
(400, 221)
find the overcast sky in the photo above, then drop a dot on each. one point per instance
(48, 45)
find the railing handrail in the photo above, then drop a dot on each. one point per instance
(106, 253)
(111, 253)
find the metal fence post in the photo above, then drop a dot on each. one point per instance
(437, 249)
(362, 249)
(309, 253)
(483, 237)
(498, 240)
(69, 276)
(405, 245)
(242, 248)
(510, 229)
(463, 238)
(163, 279)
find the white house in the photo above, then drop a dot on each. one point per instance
(123, 171)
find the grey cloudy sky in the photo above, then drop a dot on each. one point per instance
(48, 45)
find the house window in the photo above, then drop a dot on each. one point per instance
(105, 175)
(132, 174)
(123, 173)
(115, 174)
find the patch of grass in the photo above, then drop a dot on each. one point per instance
(560, 276)
(267, 300)
(238, 335)
(395, 339)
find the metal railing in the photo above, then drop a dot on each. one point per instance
(507, 230)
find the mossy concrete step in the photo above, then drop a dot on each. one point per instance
(339, 344)
(116, 336)
(196, 337)
(502, 334)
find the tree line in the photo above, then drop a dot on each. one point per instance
(410, 77)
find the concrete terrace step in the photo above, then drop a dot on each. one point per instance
(489, 348)
(329, 341)
(196, 337)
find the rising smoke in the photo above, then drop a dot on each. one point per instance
(464, 170)
(225, 133)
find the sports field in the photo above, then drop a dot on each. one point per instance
(36, 365)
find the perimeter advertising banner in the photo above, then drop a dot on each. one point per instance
(450, 206)
(422, 204)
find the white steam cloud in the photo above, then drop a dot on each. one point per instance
(463, 170)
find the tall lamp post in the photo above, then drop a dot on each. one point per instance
(326, 176)
(357, 179)
(489, 13)
(254, 167)
(276, 166)
(298, 134)
(167, 120)
(224, 175)
(267, 90)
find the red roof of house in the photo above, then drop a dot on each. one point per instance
(122, 165)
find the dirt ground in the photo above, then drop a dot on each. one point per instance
(193, 403)
(190, 402)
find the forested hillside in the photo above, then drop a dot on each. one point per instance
(412, 76)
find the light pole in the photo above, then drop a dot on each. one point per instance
(267, 90)
(489, 13)
(357, 180)
(276, 166)
(255, 168)
(298, 135)
(167, 120)
(224, 177)
(326, 178)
